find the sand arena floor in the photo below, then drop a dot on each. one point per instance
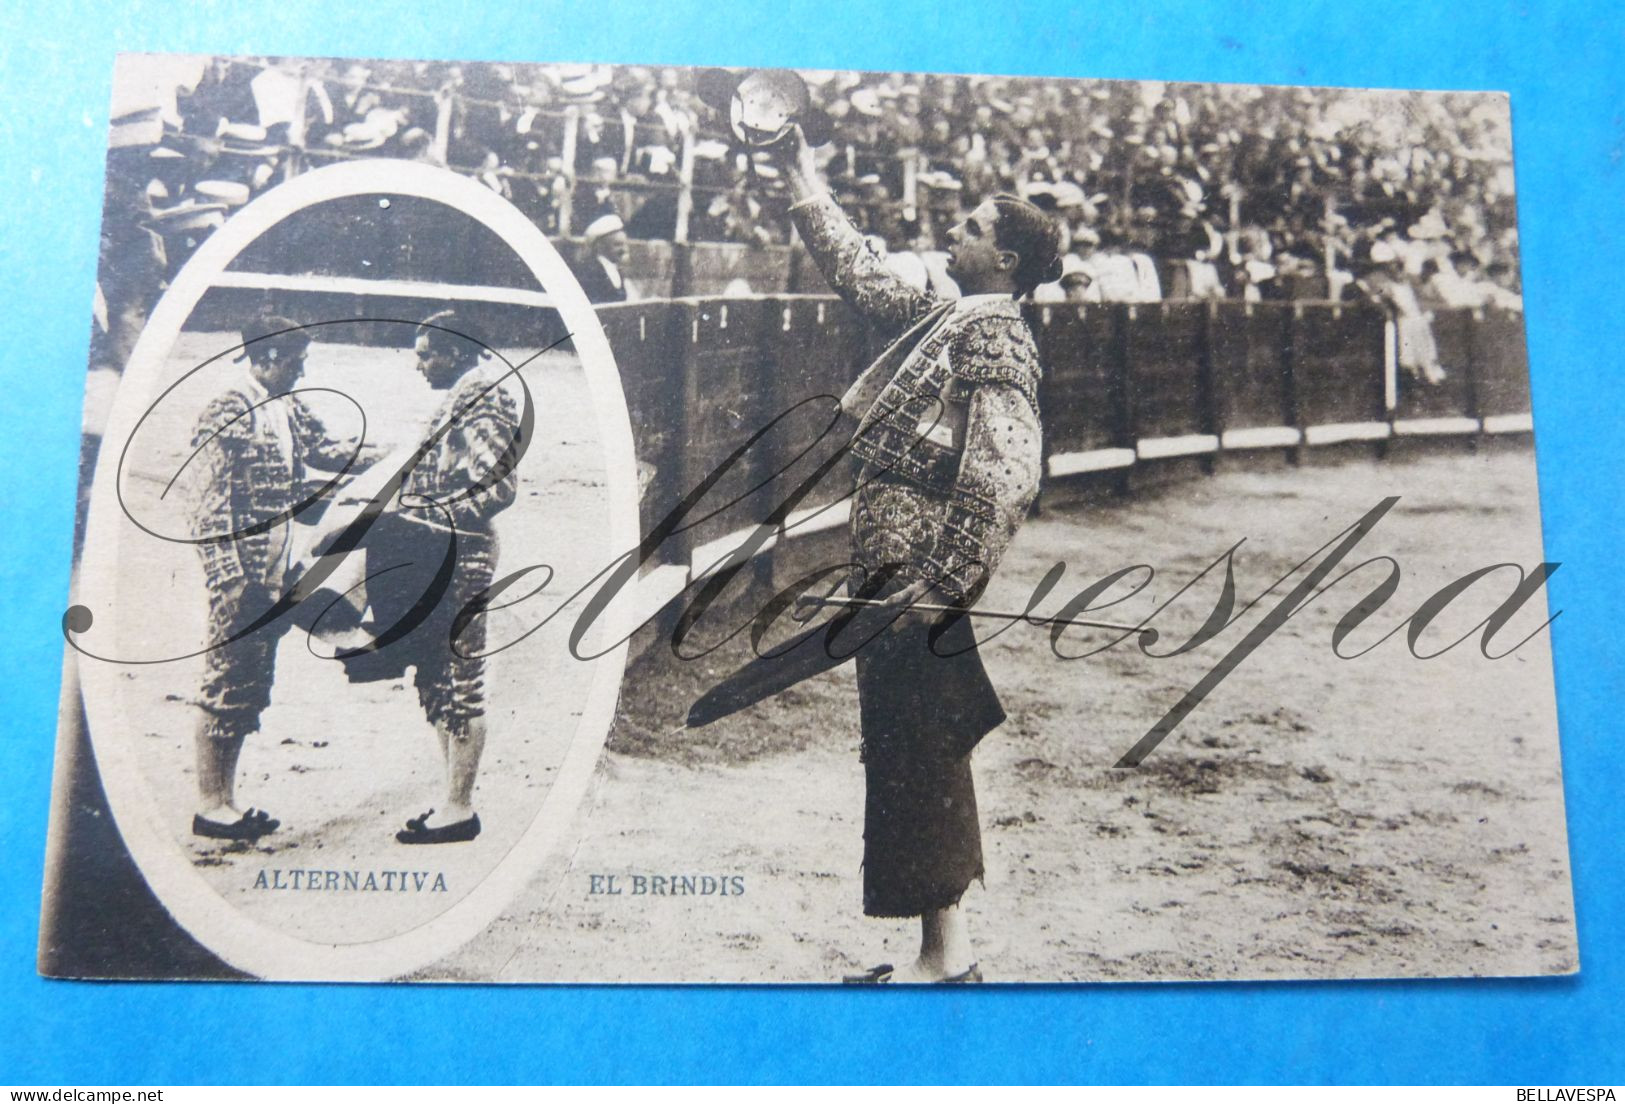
(1314, 817)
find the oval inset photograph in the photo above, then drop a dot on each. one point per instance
(368, 460)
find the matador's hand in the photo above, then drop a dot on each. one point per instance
(799, 162)
(904, 601)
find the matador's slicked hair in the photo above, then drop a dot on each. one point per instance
(1033, 237)
(270, 336)
(441, 328)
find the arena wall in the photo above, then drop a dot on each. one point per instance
(736, 395)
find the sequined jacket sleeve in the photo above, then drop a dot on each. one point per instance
(471, 470)
(316, 448)
(1002, 461)
(491, 435)
(855, 270)
(225, 450)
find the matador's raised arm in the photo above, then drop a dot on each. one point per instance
(853, 268)
(848, 262)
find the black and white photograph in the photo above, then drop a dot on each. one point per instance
(626, 524)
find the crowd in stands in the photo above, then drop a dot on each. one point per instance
(1199, 191)
(1166, 191)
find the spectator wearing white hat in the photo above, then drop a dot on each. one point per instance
(604, 250)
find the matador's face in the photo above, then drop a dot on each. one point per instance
(974, 256)
(436, 362)
(279, 368)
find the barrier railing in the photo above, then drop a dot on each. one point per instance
(747, 387)
(1124, 386)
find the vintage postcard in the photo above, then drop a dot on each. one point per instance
(598, 523)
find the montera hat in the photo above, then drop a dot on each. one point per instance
(763, 105)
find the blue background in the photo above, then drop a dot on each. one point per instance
(1562, 65)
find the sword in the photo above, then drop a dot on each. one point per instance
(1148, 636)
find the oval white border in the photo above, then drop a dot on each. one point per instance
(247, 944)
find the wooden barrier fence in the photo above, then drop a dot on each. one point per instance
(1124, 386)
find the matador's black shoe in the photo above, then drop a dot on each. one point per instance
(246, 828)
(417, 830)
(883, 975)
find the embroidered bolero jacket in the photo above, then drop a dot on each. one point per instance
(947, 434)
(245, 482)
